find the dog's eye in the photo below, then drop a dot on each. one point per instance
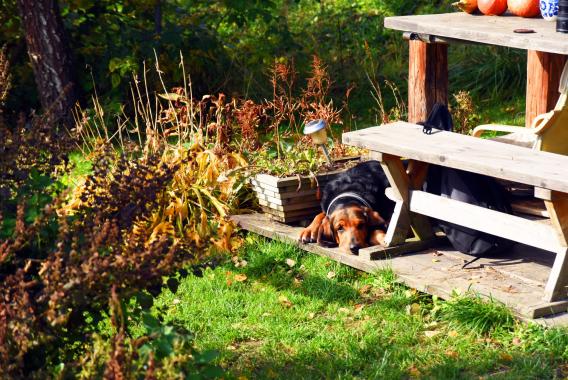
(340, 229)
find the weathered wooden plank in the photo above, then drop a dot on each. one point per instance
(399, 226)
(276, 182)
(439, 271)
(287, 189)
(286, 219)
(482, 219)
(556, 287)
(557, 208)
(311, 193)
(402, 219)
(306, 212)
(513, 163)
(292, 206)
(530, 207)
(305, 200)
(427, 77)
(487, 30)
(543, 78)
(409, 246)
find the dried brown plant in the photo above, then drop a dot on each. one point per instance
(248, 118)
(463, 112)
(315, 102)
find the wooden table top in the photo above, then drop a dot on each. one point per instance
(493, 30)
(492, 158)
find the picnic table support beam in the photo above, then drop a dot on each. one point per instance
(402, 220)
(557, 285)
(543, 77)
(427, 78)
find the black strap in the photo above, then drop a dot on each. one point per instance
(470, 262)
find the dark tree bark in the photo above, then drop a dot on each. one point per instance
(50, 57)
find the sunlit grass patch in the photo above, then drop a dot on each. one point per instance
(277, 311)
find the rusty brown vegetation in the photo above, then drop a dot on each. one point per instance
(162, 184)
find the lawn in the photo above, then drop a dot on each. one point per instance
(275, 311)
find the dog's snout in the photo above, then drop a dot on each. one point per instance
(354, 248)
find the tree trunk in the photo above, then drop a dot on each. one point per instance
(50, 57)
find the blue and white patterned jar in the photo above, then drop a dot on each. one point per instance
(549, 9)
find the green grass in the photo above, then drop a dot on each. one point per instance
(319, 319)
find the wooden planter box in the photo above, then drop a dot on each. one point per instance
(291, 199)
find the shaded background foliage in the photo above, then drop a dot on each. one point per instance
(228, 46)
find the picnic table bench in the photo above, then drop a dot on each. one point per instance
(548, 172)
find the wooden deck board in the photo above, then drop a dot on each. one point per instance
(486, 30)
(516, 279)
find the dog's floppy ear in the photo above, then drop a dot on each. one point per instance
(326, 237)
(374, 220)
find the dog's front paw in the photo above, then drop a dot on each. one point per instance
(308, 236)
(378, 237)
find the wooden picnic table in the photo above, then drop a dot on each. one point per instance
(548, 172)
(429, 36)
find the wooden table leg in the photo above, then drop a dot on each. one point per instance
(427, 78)
(402, 220)
(557, 285)
(543, 77)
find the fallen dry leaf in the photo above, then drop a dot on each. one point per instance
(410, 293)
(311, 315)
(284, 301)
(435, 260)
(330, 274)
(290, 262)
(516, 341)
(509, 289)
(453, 334)
(432, 333)
(413, 309)
(414, 372)
(506, 356)
(365, 289)
(451, 354)
(358, 307)
(241, 277)
(432, 325)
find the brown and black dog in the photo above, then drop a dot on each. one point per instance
(354, 207)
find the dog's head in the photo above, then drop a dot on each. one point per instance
(351, 227)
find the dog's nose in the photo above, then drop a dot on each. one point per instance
(354, 248)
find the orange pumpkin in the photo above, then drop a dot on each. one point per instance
(524, 8)
(492, 7)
